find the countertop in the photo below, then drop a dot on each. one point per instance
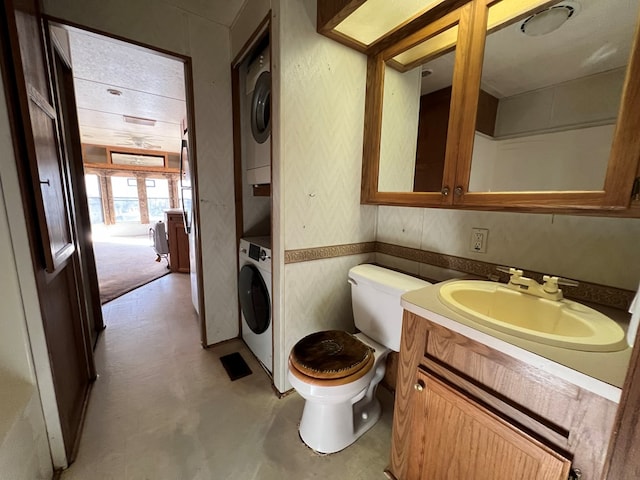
(602, 373)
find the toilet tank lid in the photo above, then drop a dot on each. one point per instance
(385, 279)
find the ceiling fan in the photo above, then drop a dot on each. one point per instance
(137, 141)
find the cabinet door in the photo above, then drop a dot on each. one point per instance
(178, 244)
(454, 438)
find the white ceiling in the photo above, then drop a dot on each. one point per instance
(152, 87)
(595, 40)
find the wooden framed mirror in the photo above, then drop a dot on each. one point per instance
(489, 115)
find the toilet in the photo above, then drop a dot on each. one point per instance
(337, 372)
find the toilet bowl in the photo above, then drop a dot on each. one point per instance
(337, 373)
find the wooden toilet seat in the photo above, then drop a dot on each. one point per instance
(330, 358)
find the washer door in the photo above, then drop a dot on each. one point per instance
(261, 108)
(254, 299)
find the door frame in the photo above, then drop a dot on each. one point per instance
(190, 103)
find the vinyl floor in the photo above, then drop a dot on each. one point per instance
(164, 408)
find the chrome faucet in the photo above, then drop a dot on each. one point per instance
(549, 289)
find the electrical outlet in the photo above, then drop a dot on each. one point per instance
(479, 240)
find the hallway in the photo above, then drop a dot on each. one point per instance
(164, 408)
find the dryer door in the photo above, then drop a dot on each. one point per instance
(254, 299)
(261, 108)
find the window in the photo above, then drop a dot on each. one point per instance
(94, 199)
(125, 199)
(157, 197)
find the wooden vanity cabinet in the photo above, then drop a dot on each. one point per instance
(460, 404)
(178, 243)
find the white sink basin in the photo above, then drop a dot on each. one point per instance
(563, 323)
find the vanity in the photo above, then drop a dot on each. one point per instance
(471, 399)
(476, 105)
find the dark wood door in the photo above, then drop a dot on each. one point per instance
(45, 182)
(432, 141)
(60, 58)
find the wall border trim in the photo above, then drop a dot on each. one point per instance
(589, 292)
(332, 251)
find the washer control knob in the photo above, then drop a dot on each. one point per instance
(263, 255)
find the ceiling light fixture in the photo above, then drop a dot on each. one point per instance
(115, 92)
(139, 120)
(548, 20)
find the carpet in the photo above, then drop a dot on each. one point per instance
(235, 366)
(124, 264)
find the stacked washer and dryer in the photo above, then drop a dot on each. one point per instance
(254, 267)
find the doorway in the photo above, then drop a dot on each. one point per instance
(132, 110)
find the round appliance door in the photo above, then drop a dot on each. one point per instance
(261, 108)
(254, 299)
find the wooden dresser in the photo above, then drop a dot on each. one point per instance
(178, 242)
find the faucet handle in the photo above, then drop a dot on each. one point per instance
(514, 272)
(568, 282)
(551, 283)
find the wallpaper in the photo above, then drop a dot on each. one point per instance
(600, 250)
(322, 118)
(316, 176)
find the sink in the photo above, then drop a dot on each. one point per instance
(563, 323)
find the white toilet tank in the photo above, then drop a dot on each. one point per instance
(375, 298)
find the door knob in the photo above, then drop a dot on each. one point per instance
(419, 386)
(445, 191)
(458, 191)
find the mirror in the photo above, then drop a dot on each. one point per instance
(417, 94)
(550, 93)
(549, 125)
